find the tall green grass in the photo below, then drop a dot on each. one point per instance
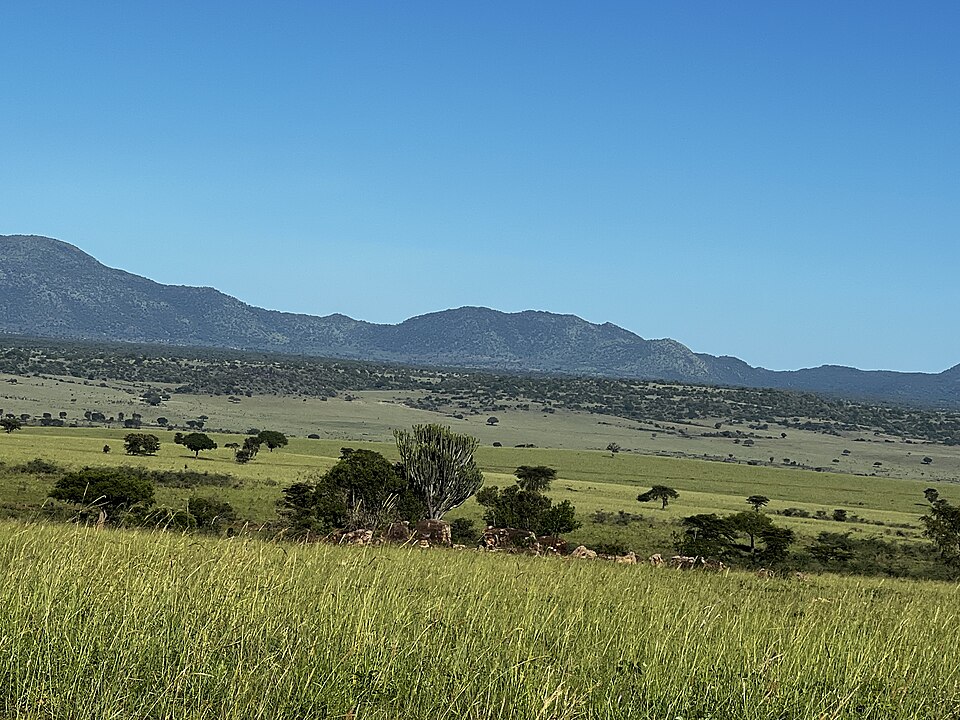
(111, 624)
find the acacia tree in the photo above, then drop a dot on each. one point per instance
(758, 501)
(251, 446)
(659, 492)
(438, 465)
(195, 442)
(535, 478)
(9, 424)
(272, 439)
(141, 444)
(942, 527)
(760, 528)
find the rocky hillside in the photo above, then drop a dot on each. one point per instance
(49, 288)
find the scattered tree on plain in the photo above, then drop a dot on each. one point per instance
(438, 465)
(195, 442)
(363, 490)
(706, 535)
(535, 478)
(710, 535)
(272, 439)
(9, 424)
(141, 444)
(251, 446)
(524, 505)
(375, 490)
(758, 501)
(613, 448)
(659, 492)
(941, 525)
(832, 548)
(759, 528)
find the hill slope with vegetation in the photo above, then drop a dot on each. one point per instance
(223, 372)
(49, 288)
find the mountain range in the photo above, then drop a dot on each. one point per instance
(51, 289)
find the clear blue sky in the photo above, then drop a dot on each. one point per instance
(776, 181)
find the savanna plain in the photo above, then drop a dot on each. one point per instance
(158, 622)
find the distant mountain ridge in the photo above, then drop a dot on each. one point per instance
(49, 288)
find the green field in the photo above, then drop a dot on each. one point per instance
(120, 624)
(372, 416)
(156, 624)
(592, 480)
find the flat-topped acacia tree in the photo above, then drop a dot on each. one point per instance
(195, 442)
(439, 466)
(272, 439)
(659, 492)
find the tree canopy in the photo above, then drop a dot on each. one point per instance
(9, 424)
(525, 507)
(659, 492)
(195, 442)
(362, 490)
(141, 444)
(111, 489)
(941, 525)
(536, 478)
(272, 439)
(746, 535)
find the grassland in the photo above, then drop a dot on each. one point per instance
(149, 624)
(372, 415)
(875, 477)
(592, 480)
(117, 624)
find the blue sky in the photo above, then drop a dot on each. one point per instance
(776, 181)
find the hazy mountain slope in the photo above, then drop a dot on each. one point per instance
(51, 289)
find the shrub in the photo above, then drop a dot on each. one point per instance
(463, 531)
(112, 489)
(210, 512)
(611, 547)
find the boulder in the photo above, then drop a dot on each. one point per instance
(552, 545)
(435, 532)
(356, 537)
(683, 562)
(583, 553)
(398, 532)
(508, 539)
(628, 559)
